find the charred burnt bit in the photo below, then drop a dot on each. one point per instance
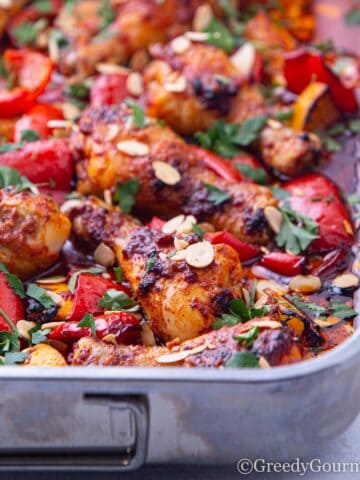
(38, 313)
(215, 95)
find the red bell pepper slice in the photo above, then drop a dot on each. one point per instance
(43, 160)
(317, 197)
(283, 263)
(37, 119)
(10, 303)
(109, 89)
(301, 67)
(88, 292)
(124, 326)
(156, 223)
(223, 168)
(32, 72)
(245, 250)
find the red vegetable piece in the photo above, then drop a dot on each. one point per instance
(245, 250)
(156, 223)
(37, 119)
(10, 303)
(109, 89)
(283, 263)
(223, 168)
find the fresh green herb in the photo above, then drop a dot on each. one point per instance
(354, 125)
(220, 36)
(9, 340)
(44, 6)
(150, 262)
(74, 277)
(329, 143)
(228, 8)
(297, 231)
(59, 38)
(12, 358)
(125, 194)
(222, 79)
(325, 46)
(284, 115)
(107, 14)
(217, 196)
(353, 199)
(10, 147)
(352, 17)
(26, 33)
(307, 307)
(279, 193)
(14, 282)
(239, 313)
(247, 339)
(6, 341)
(3, 71)
(339, 309)
(243, 360)
(138, 113)
(318, 198)
(11, 177)
(199, 231)
(88, 321)
(38, 334)
(41, 295)
(249, 130)
(78, 90)
(119, 274)
(118, 301)
(336, 308)
(29, 135)
(256, 174)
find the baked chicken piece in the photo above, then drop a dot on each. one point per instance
(277, 345)
(32, 232)
(180, 300)
(112, 150)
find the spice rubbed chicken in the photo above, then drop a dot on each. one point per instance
(162, 201)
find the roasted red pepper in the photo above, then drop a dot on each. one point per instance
(10, 303)
(256, 173)
(317, 197)
(36, 119)
(301, 67)
(88, 292)
(43, 161)
(31, 72)
(156, 223)
(283, 263)
(125, 327)
(245, 250)
(223, 168)
(109, 89)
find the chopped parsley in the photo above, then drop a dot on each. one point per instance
(217, 196)
(248, 171)
(199, 231)
(248, 338)
(12, 358)
(38, 334)
(27, 32)
(125, 194)
(14, 282)
(150, 262)
(337, 308)
(41, 295)
(352, 17)
(138, 113)
(239, 313)
(220, 36)
(88, 321)
(11, 177)
(74, 277)
(243, 360)
(78, 90)
(118, 301)
(119, 274)
(107, 13)
(29, 135)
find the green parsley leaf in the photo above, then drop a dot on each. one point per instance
(11, 343)
(16, 285)
(107, 13)
(279, 193)
(125, 194)
(353, 199)
(239, 313)
(26, 33)
(118, 301)
(329, 143)
(354, 125)
(119, 274)
(352, 17)
(243, 360)
(29, 135)
(59, 38)
(88, 321)
(75, 276)
(339, 309)
(220, 36)
(12, 358)
(256, 174)
(41, 295)
(217, 196)
(228, 8)
(199, 231)
(248, 338)
(11, 177)
(38, 334)
(336, 308)
(78, 90)
(43, 6)
(6, 341)
(150, 262)
(297, 231)
(248, 131)
(284, 115)
(138, 113)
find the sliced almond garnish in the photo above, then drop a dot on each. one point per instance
(134, 84)
(109, 338)
(23, 327)
(179, 256)
(133, 148)
(180, 44)
(262, 285)
(266, 324)
(349, 328)
(59, 124)
(346, 280)
(263, 363)
(202, 17)
(187, 225)
(177, 85)
(171, 225)
(197, 36)
(166, 173)
(104, 255)
(329, 322)
(69, 205)
(348, 227)
(52, 280)
(51, 325)
(180, 355)
(275, 124)
(274, 218)
(147, 335)
(55, 297)
(109, 68)
(108, 197)
(180, 243)
(70, 111)
(244, 58)
(112, 131)
(200, 254)
(305, 283)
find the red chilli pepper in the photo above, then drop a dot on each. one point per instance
(88, 292)
(10, 303)
(37, 119)
(109, 89)
(124, 326)
(245, 250)
(283, 263)
(223, 168)
(302, 66)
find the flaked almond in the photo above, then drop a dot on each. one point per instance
(329, 322)
(177, 85)
(23, 327)
(51, 325)
(244, 59)
(166, 173)
(349, 328)
(147, 335)
(180, 243)
(266, 324)
(180, 44)
(263, 285)
(187, 225)
(59, 124)
(263, 363)
(104, 255)
(52, 280)
(53, 49)
(200, 254)
(6, 3)
(305, 283)
(109, 338)
(275, 124)
(55, 297)
(171, 225)
(112, 130)
(70, 111)
(134, 84)
(109, 68)
(179, 256)
(69, 205)
(108, 197)
(202, 17)
(133, 148)
(348, 227)
(274, 218)
(246, 296)
(197, 36)
(346, 280)
(175, 357)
